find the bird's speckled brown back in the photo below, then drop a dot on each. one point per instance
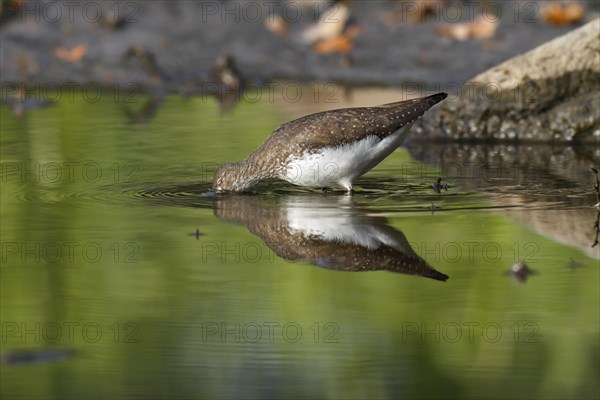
(315, 132)
(339, 127)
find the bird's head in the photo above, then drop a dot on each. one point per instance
(233, 177)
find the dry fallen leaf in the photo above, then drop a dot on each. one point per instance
(481, 28)
(277, 25)
(557, 13)
(340, 44)
(331, 24)
(343, 43)
(353, 31)
(74, 55)
(460, 31)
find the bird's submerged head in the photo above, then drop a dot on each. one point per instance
(234, 177)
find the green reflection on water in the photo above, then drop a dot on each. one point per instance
(109, 258)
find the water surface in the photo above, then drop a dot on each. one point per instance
(120, 279)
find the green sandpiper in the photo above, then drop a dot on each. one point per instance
(326, 149)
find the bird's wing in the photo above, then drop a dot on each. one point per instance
(347, 125)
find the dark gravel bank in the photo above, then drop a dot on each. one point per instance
(186, 37)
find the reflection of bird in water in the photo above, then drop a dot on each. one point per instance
(520, 271)
(146, 113)
(433, 208)
(158, 79)
(328, 232)
(331, 148)
(228, 80)
(228, 83)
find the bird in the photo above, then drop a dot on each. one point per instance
(148, 62)
(332, 233)
(326, 149)
(228, 80)
(520, 271)
(438, 185)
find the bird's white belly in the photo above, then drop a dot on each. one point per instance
(341, 165)
(330, 225)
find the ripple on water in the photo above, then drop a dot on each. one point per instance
(378, 195)
(190, 195)
(375, 193)
(45, 197)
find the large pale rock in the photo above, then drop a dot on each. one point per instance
(551, 93)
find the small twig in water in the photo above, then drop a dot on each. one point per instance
(197, 234)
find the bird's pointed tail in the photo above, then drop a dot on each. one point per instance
(430, 101)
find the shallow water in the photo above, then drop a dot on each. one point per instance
(120, 278)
